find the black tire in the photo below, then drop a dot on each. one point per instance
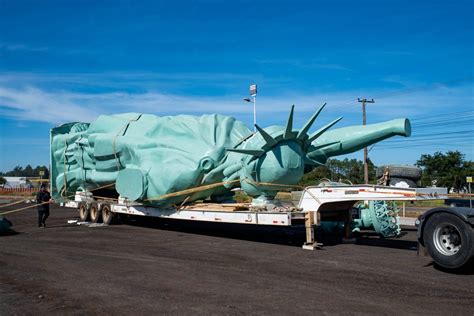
(449, 240)
(83, 212)
(410, 183)
(405, 172)
(108, 217)
(95, 213)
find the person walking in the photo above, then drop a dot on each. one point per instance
(43, 208)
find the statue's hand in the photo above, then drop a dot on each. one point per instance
(227, 171)
(231, 173)
(216, 174)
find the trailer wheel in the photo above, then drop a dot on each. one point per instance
(83, 212)
(108, 217)
(95, 213)
(449, 240)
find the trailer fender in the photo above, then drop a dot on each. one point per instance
(464, 213)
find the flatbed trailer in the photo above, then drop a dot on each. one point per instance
(315, 204)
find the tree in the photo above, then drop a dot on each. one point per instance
(315, 176)
(445, 170)
(28, 171)
(42, 168)
(16, 172)
(2, 181)
(339, 170)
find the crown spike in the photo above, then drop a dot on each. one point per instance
(269, 140)
(308, 124)
(320, 131)
(289, 125)
(252, 152)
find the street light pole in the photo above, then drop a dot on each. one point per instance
(364, 121)
(253, 94)
(254, 113)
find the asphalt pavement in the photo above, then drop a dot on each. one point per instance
(153, 266)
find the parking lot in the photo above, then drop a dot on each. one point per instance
(179, 267)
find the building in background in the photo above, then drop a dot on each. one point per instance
(17, 182)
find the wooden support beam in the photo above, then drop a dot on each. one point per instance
(309, 222)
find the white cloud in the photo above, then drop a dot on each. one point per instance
(36, 102)
(32, 104)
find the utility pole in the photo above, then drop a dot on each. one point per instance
(364, 122)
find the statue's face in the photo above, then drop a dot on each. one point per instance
(283, 164)
(276, 156)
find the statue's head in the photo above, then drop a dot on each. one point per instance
(276, 156)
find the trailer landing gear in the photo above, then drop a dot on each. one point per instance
(309, 222)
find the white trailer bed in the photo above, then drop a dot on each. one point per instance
(314, 201)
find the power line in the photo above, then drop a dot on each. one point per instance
(406, 91)
(433, 135)
(441, 120)
(407, 141)
(428, 142)
(445, 126)
(422, 118)
(434, 143)
(435, 146)
(441, 141)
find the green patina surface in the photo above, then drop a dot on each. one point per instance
(146, 156)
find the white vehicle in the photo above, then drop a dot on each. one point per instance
(446, 233)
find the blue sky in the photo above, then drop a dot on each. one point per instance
(63, 61)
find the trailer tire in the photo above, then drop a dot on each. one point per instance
(405, 172)
(108, 217)
(83, 212)
(449, 240)
(95, 213)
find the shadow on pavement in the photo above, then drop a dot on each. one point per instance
(467, 270)
(291, 236)
(373, 239)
